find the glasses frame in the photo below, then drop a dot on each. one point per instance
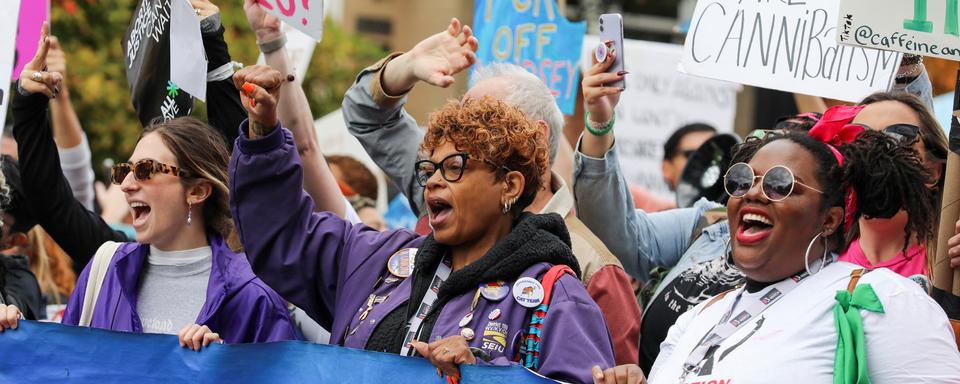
(443, 171)
(793, 185)
(155, 168)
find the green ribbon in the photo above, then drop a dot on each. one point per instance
(850, 362)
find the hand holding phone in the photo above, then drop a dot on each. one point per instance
(611, 29)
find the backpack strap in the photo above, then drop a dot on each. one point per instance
(529, 354)
(98, 270)
(716, 298)
(855, 276)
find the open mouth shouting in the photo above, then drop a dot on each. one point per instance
(439, 211)
(140, 212)
(755, 226)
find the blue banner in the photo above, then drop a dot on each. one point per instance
(535, 35)
(47, 352)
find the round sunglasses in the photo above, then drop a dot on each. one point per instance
(777, 184)
(143, 170)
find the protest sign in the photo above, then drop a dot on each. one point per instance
(32, 15)
(657, 101)
(188, 63)
(46, 352)
(535, 35)
(146, 47)
(8, 39)
(305, 15)
(917, 27)
(789, 45)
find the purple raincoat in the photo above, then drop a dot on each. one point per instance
(239, 306)
(330, 267)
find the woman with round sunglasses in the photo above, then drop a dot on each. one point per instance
(180, 276)
(491, 285)
(802, 316)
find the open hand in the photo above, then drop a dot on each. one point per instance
(447, 354)
(33, 78)
(195, 336)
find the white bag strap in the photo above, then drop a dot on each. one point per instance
(98, 269)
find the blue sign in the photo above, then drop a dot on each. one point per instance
(535, 35)
(48, 352)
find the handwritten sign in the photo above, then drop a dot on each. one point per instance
(32, 15)
(916, 27)
(658, 100)
(790, 45)
(534, 35)
(8, 39)
(305, 15)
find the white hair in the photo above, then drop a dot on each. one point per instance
(529, 94)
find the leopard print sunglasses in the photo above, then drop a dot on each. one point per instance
(143, 170)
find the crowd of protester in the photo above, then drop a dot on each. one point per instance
(813, 266)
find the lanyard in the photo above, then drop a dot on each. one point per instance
(415, 323)
(727, 325)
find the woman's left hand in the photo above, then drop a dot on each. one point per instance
(621, 374)
(259, 87)
(9, 317)
(447, 354)
(195, 336)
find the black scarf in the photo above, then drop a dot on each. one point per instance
(535, 238)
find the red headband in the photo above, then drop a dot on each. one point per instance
(834, 129)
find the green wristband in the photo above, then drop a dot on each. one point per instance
(605, 129)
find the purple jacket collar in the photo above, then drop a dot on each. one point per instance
(232, 291)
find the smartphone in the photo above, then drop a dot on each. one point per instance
(611, 28)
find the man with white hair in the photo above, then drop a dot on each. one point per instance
(373, 111)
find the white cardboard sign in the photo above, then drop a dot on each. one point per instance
(919, 27)
(790, 45)
(657, 101)
(305, 15)
(9, 11)
(188, 62)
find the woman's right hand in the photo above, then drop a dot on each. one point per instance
(598, 98)
(9, 317)
(33, 78)
(621, 374)
(259, 87)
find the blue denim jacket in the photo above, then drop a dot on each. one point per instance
(641, 240)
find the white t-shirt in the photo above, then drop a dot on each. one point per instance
(911, 342)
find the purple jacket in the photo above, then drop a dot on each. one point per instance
(239, 306)
(329, 267)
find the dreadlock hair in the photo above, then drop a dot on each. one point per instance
(888, 176)
(885, 174)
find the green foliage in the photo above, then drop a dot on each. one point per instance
(90, 32)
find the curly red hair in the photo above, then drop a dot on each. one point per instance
(491, 130)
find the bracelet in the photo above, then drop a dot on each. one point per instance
(273, 45)
(601, 128)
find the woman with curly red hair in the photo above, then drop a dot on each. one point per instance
(490, 285)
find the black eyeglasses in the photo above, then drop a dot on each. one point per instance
(777, 184)
(451, 168)
(143, 170)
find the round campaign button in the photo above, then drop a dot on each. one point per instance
(401, 264)
(494, 291)
(528, 292)
(467, 333)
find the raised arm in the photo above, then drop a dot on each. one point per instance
(373, 106)
(294, 112)
(224, 111)
(603, 201)
(78, 231)
(303, 255)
